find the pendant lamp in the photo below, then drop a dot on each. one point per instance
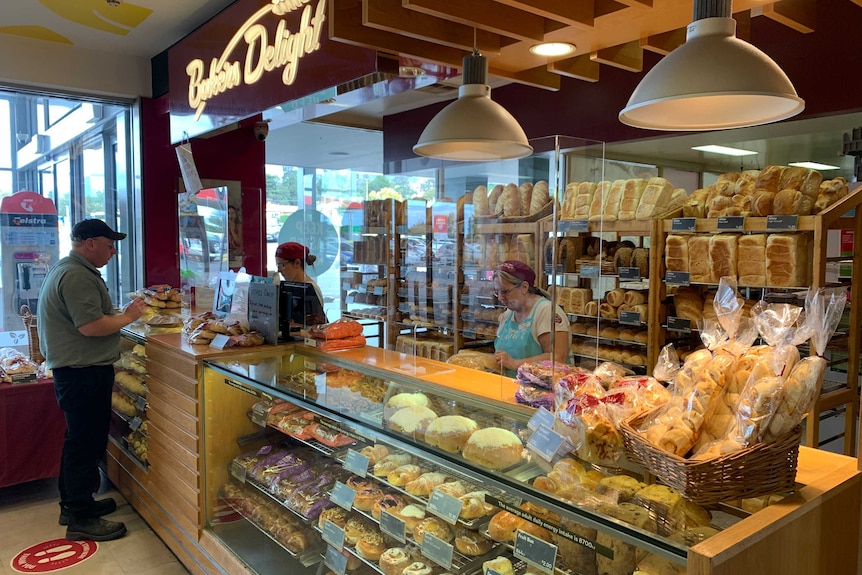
(473, 127)
(714, 81)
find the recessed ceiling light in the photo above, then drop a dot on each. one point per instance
(724, 150)
(552, 48)
(814, 166)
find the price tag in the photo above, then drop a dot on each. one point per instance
(378, 290)
(437, 550)
(135, 423)
(238, 471)
(541, 417)
(683, 224)
(679, 324)
(589, 271)
(258, 418)
(469, 333)
(342, 496)
(445, 506)
(677, 278)
(335, 560)
(141, 403)
(630, 318)
(490, 572)
(220, 341)
(539, 553)
(392, 526)
(356, 463)
(573, 226)
(629, 274)
(545, 442)
(310, 342)
(781, 223)
(346, 286)
(361, 288)
(731, 223)
(349, 299)
(333, 534)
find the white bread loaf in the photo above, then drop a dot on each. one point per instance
(676, 253)
(509, 202)
(769, 179)
(493, 199)
(655, 198)
(688, 303)
(695, 205)
(611, 209)
(579, 298)
(751, 260)
(525, 192)
(793, 177)
(722, 255)
(584, 199)
(788, 202)
(480, 201)
(787, 260)
(631, 199)
(745, 184)
(540, 198)
(567, 211)
(597, 205)
(699, 266)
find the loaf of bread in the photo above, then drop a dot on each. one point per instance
(699, 265)
(540, 197)
(570, 195)
(792, 178)
(695, 205)
(722, 255)
(688, 303)
(631, 199)
(412, 420)
(787, 202)
(810, 189)
(769, 179)
(611, 209)
(493, 200)
(787, 260)
(655, 199)
(616, 297)
(677, 199)
(509, 202)
(591, 308)
(800, 389)
(578, 300)
(761, 203)
(623, 257)
(584, 200)
(634, 298)
(525, 192)
(608, 311)
(640, 260)
(751, 260)
(830, 192)
(597, 205)
(745, 184)
(450, 432)
(480, 201)
(718, 206)
(493, 448)
(676, 254)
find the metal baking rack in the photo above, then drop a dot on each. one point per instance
(262, 489)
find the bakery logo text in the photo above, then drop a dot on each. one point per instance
(286, 50)
(29, 221)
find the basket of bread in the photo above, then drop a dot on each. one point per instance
(202, 329)
(731, 429)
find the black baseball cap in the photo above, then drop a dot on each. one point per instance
(86, 229)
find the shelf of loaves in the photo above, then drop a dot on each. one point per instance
(632, 227)
(608, 340)
(573, 317)
(750, 224)
(509, 228)
(634, 359)
(715, 285)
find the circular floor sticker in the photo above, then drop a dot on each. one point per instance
(54, 555)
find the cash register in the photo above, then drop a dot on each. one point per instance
(298, 308)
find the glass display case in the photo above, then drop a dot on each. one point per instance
(292, 437)
(128, 428)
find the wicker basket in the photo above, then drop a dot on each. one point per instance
(761, 469)
(32, 334)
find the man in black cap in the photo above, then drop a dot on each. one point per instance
(79, 335)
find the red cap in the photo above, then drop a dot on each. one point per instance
(291, 251)
(519, 270)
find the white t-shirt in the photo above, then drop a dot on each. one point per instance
(542, 320)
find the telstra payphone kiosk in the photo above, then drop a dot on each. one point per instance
(30, 244)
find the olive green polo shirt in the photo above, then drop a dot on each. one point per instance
(74, 294)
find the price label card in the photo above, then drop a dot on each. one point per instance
(349, 299)
(238, 471)
(346, 286)
(630, 318)
(574, 226)
(490, 572)
(258, 418)
(356, 463)
(677, 278)
(539, 553)
(546, 442)
(629, 274)
(342, 496)
(445, 506)
(333, 534)
(679, 324)
(220, 341)
(437, 550)
(731, 223)
(541, 417)
(392, 526)
(469, 333)
(335, 560)
(135, 423)
(141, 403)
(362, 288)
(378, 290)
(683, 224)
(781, 223)
(310, 342)
(590, 271)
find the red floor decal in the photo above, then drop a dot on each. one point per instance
(54, 555)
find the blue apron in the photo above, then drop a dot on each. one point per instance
(517, 339)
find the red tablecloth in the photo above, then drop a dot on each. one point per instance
(31, 432)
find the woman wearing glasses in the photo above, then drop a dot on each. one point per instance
(524, 334)
(290, 261)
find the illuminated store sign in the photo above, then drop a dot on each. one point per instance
(285, 51)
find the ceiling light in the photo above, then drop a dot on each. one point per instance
(473, 127)
(714, 81)
(552, 49)
(814, 166)
(724, 150)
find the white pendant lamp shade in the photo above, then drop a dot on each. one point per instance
(473, 127)
(714, 81)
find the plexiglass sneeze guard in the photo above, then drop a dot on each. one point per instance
(290, 436)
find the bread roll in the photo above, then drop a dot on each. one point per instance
(723, 255)
(493, 448)
(676, 253)
(450, 432)
(504, 526)
(606, 310)
(540, 197)
(525, 193)
(699, 263)
(655, 199)
(787, 202)
(501, 565)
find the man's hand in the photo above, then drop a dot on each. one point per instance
(135, 309)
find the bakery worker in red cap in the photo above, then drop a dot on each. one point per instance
(524, 333)
(290, 261)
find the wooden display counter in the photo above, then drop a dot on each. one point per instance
(814, 531)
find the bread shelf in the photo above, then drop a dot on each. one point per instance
(601, 339)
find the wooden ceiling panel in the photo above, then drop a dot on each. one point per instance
(486, 15)
(578, 14)
(579, 67)
(628, 56)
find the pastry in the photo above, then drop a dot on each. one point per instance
(413, 420)
(504, 526)
(432, 526)
(394, 560)
(453, 488)
(401, 476)
(390, 503)
(357, 527)
(336, 515)
(411, 515)
(418, 568)
(374, 453)
(450, 432)
(371, 546)
(390, 462)
(474, 505)
(471, 543)
(493, 448)
(357, 483)
(500, 565)
(425, 484)
(366, 498)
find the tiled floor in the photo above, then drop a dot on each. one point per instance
(29, 513)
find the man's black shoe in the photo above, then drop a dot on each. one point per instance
(94, 529)
(97, 509)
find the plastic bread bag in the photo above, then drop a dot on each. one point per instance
(534, 396)
(640, 394)
(577, 382)
(695, 362)
(823, 311)
(728, 305)
(587, 423)
(543, 373)
(608, 372)
(712, 333)
(667, 364)
(757, 405)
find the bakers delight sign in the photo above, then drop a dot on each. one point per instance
(278, 53)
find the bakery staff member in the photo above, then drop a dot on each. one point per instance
(524, 333)
(290, 261)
